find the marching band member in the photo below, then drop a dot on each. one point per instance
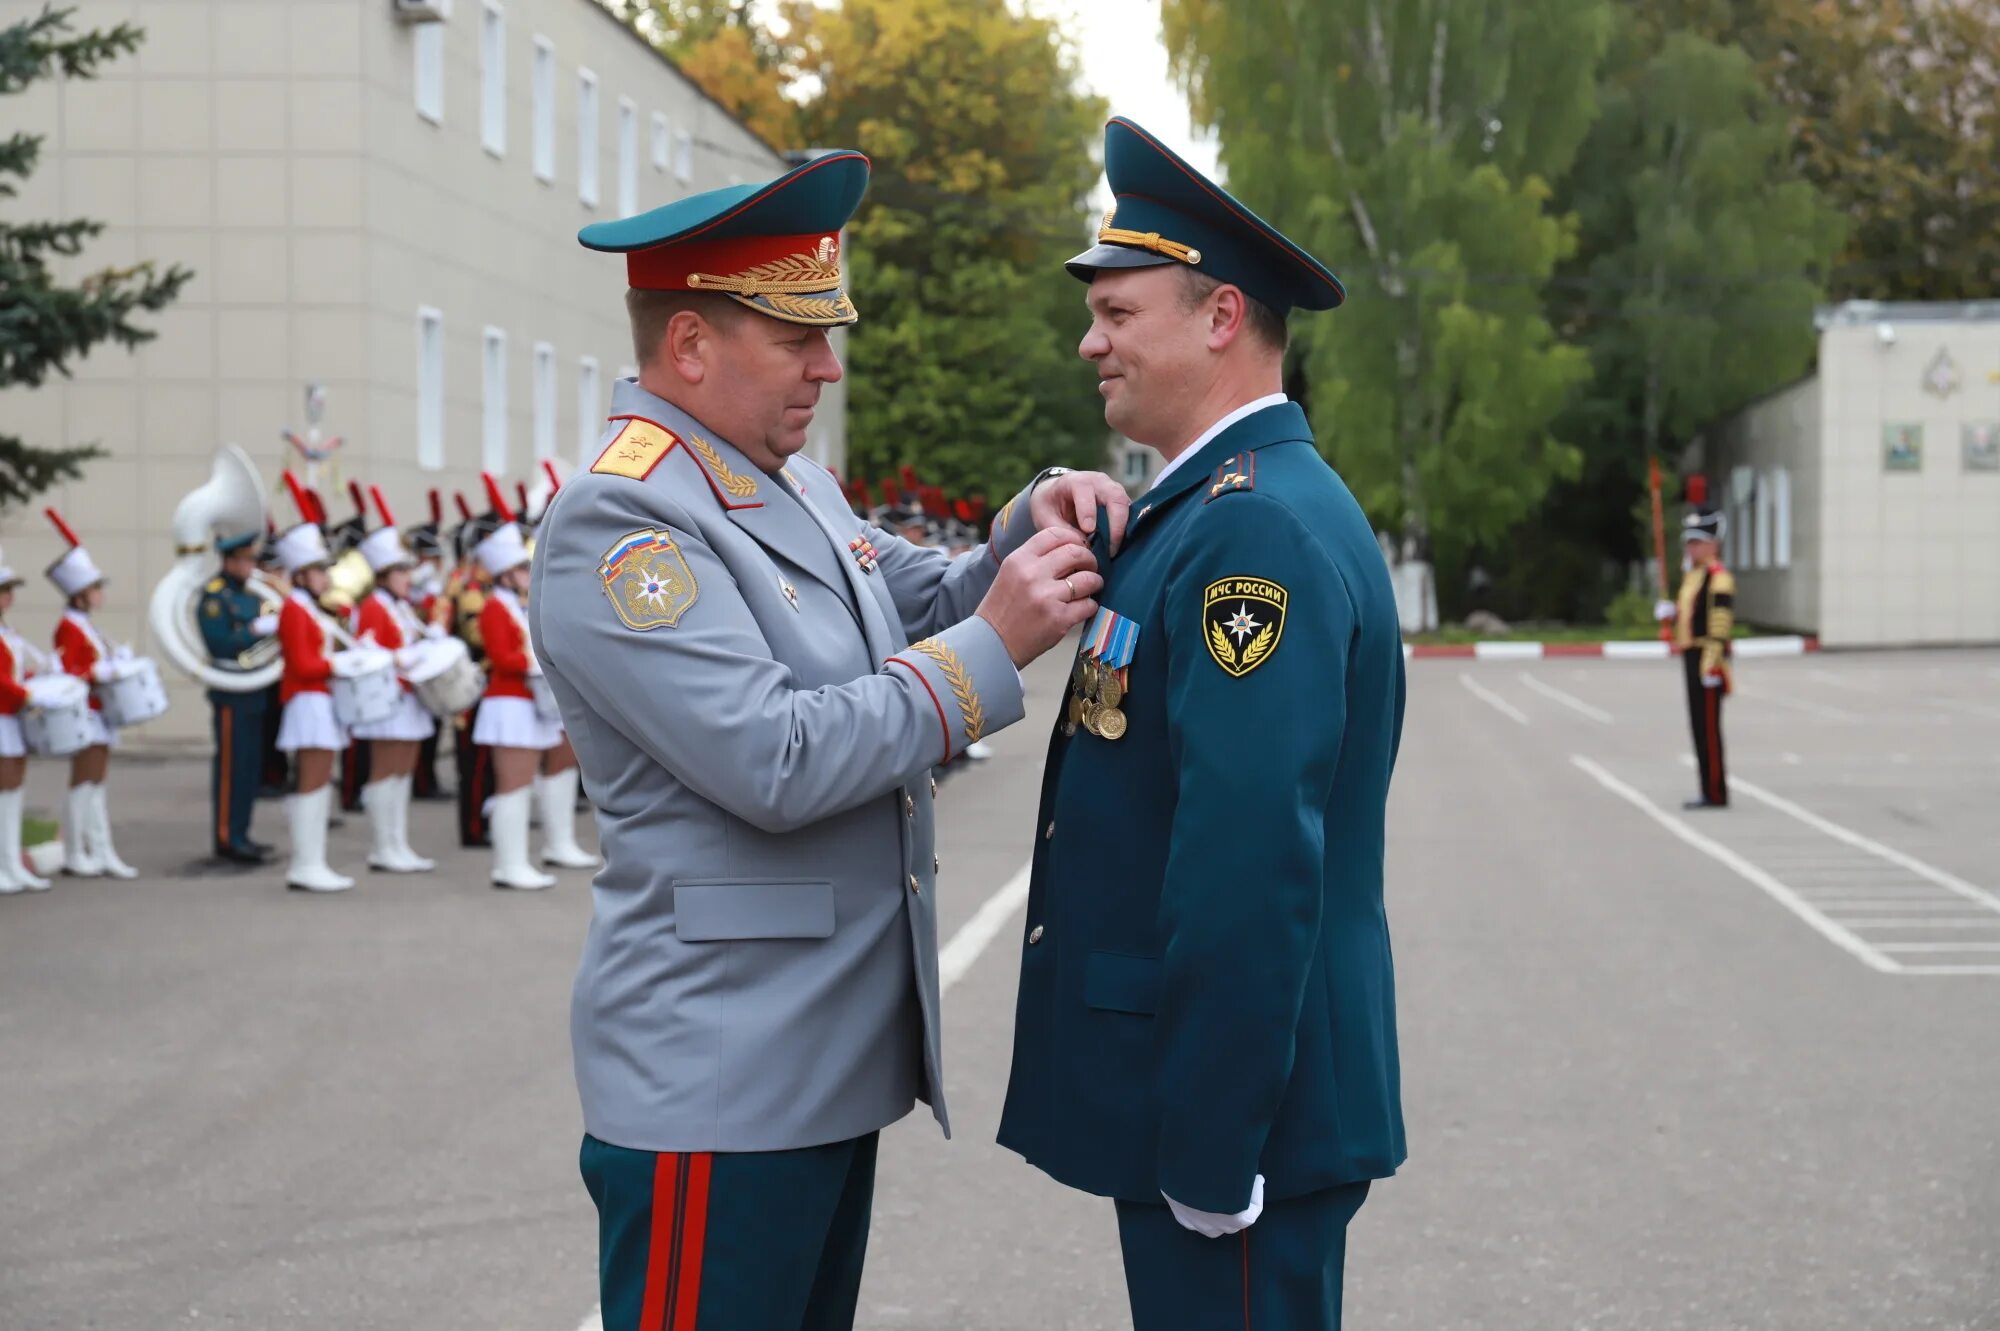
(527, 749)
(426, 542)
(233, 621)
(14, 872)
(386, 616)
(464, 598)
(309, 731)
(87, 848)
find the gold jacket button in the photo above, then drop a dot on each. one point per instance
(1035, 935)
(914, 886)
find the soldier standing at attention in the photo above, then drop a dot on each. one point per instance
(1704, 619)
(233, 620)
(757, 684)
(1206, 1029)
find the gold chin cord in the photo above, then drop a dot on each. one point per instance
(1152, 241)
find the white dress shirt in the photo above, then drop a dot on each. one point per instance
(1202, 442)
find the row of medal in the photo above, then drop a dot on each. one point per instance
(1102, 677)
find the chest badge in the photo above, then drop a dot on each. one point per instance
(790, 592)
(1244, 620)
(864, 553)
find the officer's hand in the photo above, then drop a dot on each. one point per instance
(1211, 1225)
(1043, 590)
(1664, 611)
(264, 625)
(1071, 500)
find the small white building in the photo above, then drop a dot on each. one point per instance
(377, 196)
(1864, 500)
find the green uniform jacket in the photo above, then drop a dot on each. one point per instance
(1206, 985)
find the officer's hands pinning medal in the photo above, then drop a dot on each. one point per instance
(1043, 590)
(1071, 499)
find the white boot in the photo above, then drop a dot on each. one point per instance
(100, 822)
(379, 799)
(557, 796)
(507, 824)
(414, 863)
(10, 843)
(80, 855)
(12, 873)
(308, 871)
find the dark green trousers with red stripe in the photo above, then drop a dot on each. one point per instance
(739, 1241)
(1284, 1273)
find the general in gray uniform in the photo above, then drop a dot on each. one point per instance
(757, 685)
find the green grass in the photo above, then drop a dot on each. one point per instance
(34, 831)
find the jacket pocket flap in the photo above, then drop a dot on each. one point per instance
(714, 910)
(1114, 982)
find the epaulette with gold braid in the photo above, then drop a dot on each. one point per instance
(1239, 473)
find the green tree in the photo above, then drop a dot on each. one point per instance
(1413, 144)
(45, 324)
(743, 54)
(964, 363)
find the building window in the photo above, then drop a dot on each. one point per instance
(1781, 517)
(589, 411)
(683, 157)
(586, 137)
(493, 78)
(663, 141)
(1135, 466)
(428, 43)
(628, 157)
(545, 401)
(544, 93)
(430, 389)
(1762, 505)
(493, 439)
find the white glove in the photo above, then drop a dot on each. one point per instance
(105, 671)
(264, 625)
(1665, 611)
(1210, 1224)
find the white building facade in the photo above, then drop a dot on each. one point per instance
(1864, 501)
(383, 207)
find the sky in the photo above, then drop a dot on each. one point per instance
(1125, 62)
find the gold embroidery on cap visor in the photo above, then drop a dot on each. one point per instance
(799, 288)
(1151, 241)
(648, 581)
(1244, 620)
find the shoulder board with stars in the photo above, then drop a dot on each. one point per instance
(636, 449)
(1239, 473)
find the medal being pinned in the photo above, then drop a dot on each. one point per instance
(1102, 678)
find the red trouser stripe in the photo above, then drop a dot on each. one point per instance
(222, 837)
(694, 1233)
(660, 1248)
(1713, 699)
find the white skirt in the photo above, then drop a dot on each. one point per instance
(100, 730)
(410, 721)
(309, 723)
(11, 745)
(513, 723)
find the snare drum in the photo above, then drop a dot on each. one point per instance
(444, 678)
(545, 697)
(364, 686)
(134, 695)
(56, 721)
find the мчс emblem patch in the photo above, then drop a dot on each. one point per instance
(1242, 621)
(648, 580)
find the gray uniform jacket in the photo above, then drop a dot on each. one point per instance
(757, 684)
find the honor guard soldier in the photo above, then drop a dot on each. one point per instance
(465, 600)
(1704, 624)
(426, 541)
(1206, 1024)
(758, 684)
(233, 621)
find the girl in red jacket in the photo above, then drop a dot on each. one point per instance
(386, 616)
(308, 730)
(14, 872)
(86, 825)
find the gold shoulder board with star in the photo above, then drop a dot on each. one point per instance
(648, 580)
(1239, 473)
(1243, 620)
(636, 450)
(214, 585)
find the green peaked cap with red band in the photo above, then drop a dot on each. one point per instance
(774, 247)
(1164, 211)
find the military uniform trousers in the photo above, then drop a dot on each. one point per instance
(475, 780)
(731, 1241)
(1705, 716)
(237, 769)
(1284, 1273)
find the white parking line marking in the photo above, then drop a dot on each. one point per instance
(1942, 947)
(1575, 704)
(1492, 699)
(1834, 932)
(1948, 881)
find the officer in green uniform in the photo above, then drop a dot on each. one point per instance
(1206, 1024)
(233, 620)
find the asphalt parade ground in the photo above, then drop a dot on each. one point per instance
(1662, 1071)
